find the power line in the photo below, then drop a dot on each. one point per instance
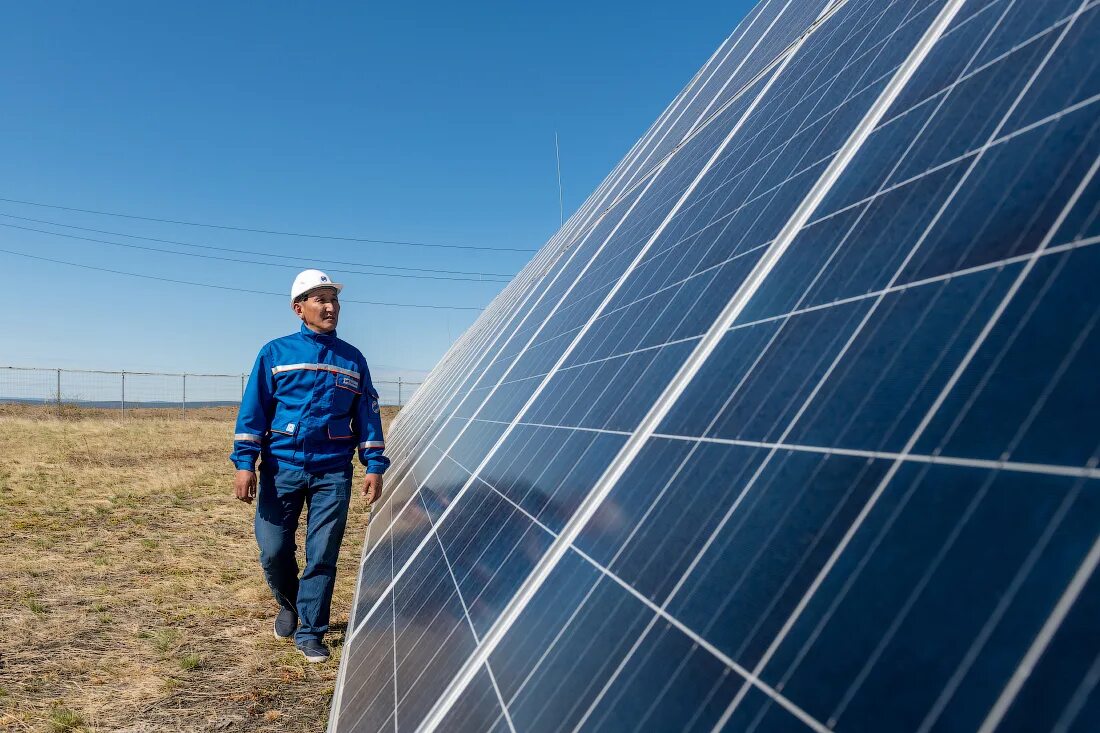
(227, 227)
(237, 259)
(235, 250)
(230, 288)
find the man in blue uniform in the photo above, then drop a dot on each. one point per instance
(309, 405)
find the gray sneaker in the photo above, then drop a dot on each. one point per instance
(286, 623)
(314, 650)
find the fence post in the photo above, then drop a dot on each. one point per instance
(399, 403)
(59, 393)
(243, 376)
(124, 395)
(184, 405)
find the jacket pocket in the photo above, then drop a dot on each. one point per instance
(339, 428)
(344, 392)
(284, 425)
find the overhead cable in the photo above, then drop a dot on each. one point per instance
(237, 259)
(365, 240)
(310, 260)
(232, 288)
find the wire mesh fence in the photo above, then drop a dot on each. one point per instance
(125, 392)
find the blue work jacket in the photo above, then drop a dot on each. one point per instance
(309, 404)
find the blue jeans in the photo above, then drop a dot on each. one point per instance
(282, 493)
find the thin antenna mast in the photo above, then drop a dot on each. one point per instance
(561, 207)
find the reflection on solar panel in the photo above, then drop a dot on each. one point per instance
(794, 425)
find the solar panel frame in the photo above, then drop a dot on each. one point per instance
(755, 696)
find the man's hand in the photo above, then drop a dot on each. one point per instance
(372, 488)
(244, 486)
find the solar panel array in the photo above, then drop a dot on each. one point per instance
(793, 426)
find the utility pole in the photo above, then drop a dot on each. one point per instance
(561, 205)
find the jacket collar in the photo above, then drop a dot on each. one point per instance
(319, 337)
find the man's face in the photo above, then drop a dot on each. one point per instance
(320, 310)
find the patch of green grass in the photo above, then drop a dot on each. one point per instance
(191, 662)
(126, 500)
(149, 544)
(37, 607)
(64, 719)
(165, 639)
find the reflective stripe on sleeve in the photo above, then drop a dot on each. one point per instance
(313, 368)
(249, 437)
(372, 444)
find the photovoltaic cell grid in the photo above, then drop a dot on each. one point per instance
(793, 426)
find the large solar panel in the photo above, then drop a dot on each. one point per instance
(793, 426)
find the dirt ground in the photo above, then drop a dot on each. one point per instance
(130, 594)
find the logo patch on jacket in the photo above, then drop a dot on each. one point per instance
(374, 405)
(344, 380)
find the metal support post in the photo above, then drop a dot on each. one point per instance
(59, 393)
(399, 391)
(184, 405)
(124, 395)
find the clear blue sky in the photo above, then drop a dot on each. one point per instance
(430, 121)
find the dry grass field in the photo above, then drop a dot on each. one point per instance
(131, 598)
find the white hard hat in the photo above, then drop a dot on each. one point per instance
(311, 280)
